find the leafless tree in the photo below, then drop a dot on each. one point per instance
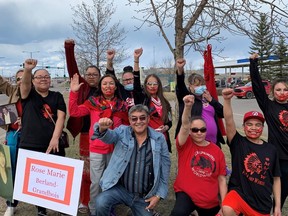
(196, 22)
(95, 33)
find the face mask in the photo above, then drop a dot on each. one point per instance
(129, 87)
(200, 90)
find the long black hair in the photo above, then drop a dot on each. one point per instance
(117, 92)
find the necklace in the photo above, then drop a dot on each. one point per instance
(156, 101)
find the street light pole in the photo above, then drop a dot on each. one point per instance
(31, 53)
(2, 68)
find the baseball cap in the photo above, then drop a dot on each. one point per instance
(253, 115)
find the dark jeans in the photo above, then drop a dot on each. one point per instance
(184, 206)
(117, 195)
(284, 180)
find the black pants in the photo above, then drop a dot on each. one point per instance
(284, 180)
(184, 206)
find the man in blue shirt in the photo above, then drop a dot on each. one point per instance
(138, 171)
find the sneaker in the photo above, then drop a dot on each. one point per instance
(9, 211)
(83, 209)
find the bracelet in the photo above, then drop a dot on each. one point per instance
(136, 61)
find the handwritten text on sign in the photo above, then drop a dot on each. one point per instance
(48, 180)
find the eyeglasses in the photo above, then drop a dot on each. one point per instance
(41, 77)
(152, 84)
(128, 79)
(18, 78)
(135, 118)
(92, 75)
(196, 130)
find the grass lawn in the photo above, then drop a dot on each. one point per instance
(164, 207)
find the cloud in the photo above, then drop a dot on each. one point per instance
(32, 21)
(33, 25)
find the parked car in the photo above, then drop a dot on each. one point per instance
(246, 90)
(166, 88)
(241, 83)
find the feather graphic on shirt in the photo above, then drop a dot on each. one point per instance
(46, 108)
(283, 117)
(252, 164)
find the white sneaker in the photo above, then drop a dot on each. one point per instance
(9, 211)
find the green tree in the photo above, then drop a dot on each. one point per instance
(262, 43)
(281, 66)
(96, 34)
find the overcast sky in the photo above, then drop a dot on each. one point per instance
(40, 28)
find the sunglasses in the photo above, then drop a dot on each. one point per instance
(152, 84)
(135, 118)
(196, 130)
(18, 78)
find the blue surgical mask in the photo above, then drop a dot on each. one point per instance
(200, 90)
(129, 87)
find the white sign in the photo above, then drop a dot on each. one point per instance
(48, 180)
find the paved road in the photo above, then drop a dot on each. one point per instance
(240, 107)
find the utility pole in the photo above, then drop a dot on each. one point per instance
(31, 53)
(2, 68)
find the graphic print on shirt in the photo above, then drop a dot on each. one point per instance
(254, 170)
(46, 108)
(283, 117)
(203, 164)
(130, 101)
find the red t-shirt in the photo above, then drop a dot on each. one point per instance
(198, 171)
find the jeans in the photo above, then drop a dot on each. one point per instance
(184, 206)
(98, 163)
(119, 195)
(13, 140)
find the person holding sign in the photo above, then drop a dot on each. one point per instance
(137, 185)
(14, 129)
(39, 104)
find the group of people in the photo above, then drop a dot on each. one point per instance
(95, 97)
(258, 182)
(125, 142)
